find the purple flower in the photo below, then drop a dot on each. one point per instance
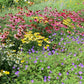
(26, 66)
(26, 61)
(33, 51)
(49, 53)
(48, 67)
(59, 43)
(50, 71)
(62, 83)
(40, 60)
(61, 39)
(62, 50)
(21, 49)
(53, 51)
(54, 34)
(80, 82)
(35, 61)
(57, 53)
(72, 63)
(43, 48)
(78, 59)
(13, 67)
(29, 57)
(60, 74)
(36, 51)
(62, 63)
(49, 36)
(32, 81)
(29, 52)
(75, 66)
(51, 39)
(45, 56)
(67, 73)
(48, 49)
(80, 77)
(18, 68)
(37, 58)
(64, 43)
(17, 72)
(79, 48)
(74, 54)
(81, 65)
(41, 68)
(72, 69)
(75, 73)
(80, 72)
(69, 42)
(57, 77)
(67, 35)
(49, 77)
(64, 58)
(45, 80)
(61, 33)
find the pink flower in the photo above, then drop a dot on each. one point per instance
(30, 28)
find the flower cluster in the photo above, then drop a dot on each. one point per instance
(68, 23)
(28, 37)
(4, 72)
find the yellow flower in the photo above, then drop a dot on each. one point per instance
(14, 50)
(39, 41)
(23, 41)
(6, 72)
(35, 34)
(30, 32)
(45, 39)
(46, 21)
(40, 17)
(47, 45)
(39, 44)
(22, 61)
(3, 7)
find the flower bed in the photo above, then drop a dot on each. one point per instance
(45, 46)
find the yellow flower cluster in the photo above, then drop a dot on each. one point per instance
(28, 37)
(4, 72)
(38, 18)
(68, 23)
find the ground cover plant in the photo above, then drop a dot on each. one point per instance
(44, 46)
